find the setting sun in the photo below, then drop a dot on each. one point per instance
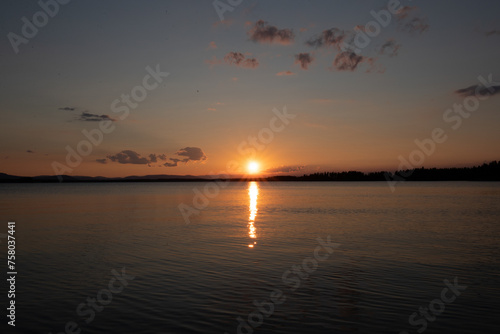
(253, 167)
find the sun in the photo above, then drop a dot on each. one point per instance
(253, 167)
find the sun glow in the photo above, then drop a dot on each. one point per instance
(253, 167)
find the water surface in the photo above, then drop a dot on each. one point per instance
(395, 250)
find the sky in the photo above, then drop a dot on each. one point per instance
(117, 88)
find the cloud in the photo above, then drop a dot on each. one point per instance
(333, 37)
(349, 61)
(212, 45)
(409, 22)
(192, 153)
(405, 11)
(262, 32)
(29, 151)
(360, 27)
(129, 157)
(239, 59)
(284, 169)
(195, 154)
(88, 117)
(211, 109)
(174, 163)
(286, 73)
(67, 108)
(478, 90)
(153, 158)
(417, 24)
(492, 32)
(304, 59)
(187, 154)
(390, 48)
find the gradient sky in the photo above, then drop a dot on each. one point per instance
(226, 77)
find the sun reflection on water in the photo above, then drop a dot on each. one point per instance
(253, 194)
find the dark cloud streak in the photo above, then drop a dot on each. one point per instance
(88, 117)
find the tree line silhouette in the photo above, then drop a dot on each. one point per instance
(485, 172)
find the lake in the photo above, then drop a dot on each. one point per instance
(261, 257)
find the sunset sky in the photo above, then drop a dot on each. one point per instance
(355, 107)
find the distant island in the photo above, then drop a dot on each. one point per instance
(485, 172)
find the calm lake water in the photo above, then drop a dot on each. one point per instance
(393, 252)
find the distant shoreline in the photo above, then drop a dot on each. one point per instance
(485, 172)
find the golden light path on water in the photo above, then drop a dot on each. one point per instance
(253, 194)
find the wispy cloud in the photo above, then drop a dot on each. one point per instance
(304, 60)
(67, 108)
(285, 73)
(333, 37)
(404, 12)
(263, 32)
(88, 117)
(239, 59)
(284, 169)
(102, 161)
(478, 90)
(349, 61)
(408, 20)
(212, 45)
(492, 32)
(30, 151)
(390, 48)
